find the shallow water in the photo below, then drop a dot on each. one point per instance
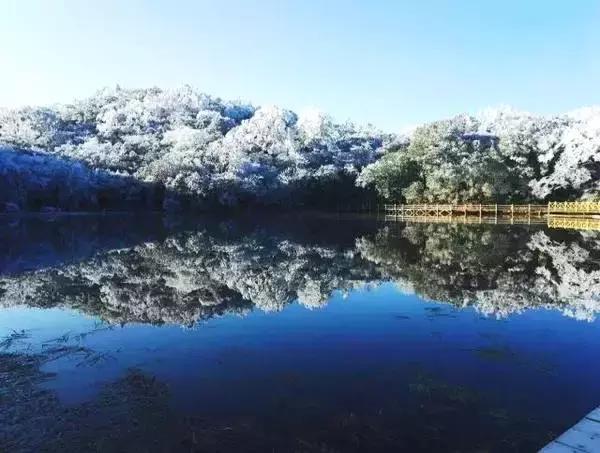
(294, 333)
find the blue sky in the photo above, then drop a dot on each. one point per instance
(391, 63)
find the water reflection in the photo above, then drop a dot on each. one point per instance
(187, 270)
(408, 342)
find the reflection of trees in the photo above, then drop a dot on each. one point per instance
(231, 269)
(444, 262)
(129, 285)
(194, 275)
(498, 270)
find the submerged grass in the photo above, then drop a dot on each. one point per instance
(12, 338)
(503, 354)
(424, 413)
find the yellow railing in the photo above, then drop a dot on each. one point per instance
(574, 223)
(466, 209)
(517, 220)
(567, 223)
(574, 207)
(568, 215)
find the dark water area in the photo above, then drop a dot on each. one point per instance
(316, 333)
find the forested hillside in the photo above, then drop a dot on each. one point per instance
(178, 149)
(498, 155)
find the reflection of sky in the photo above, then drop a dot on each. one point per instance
(354, 351)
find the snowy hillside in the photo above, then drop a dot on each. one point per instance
(155, 149)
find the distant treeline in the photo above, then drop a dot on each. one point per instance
(180, 149)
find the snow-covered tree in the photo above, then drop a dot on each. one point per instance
(192, 149)
(498, 155)
(198, 148)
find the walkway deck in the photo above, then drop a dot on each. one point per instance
(570, 209)
(567, 223)
(466, 210)
(584, 437)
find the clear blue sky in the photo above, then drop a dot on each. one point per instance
(391, 63)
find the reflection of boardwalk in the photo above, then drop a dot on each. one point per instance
(584, 437)
(551, 222)
(574, 223)
(517, 220)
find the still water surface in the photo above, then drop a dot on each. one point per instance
(294, 333)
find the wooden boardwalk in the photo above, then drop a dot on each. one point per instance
(567, 215)
(584, 437)
(574, 208)
(466, 210)
(471, 220)
(552, 209)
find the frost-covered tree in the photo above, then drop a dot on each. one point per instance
(392, 175)
(573, 164)
(446, 161)
(191, 149)
(199, 149)
(498, 155)
(39, 181)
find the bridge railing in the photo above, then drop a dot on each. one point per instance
(461, 208)
(552, 208)
(574, 207)
(575, 223)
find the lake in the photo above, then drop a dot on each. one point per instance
(297, 332)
